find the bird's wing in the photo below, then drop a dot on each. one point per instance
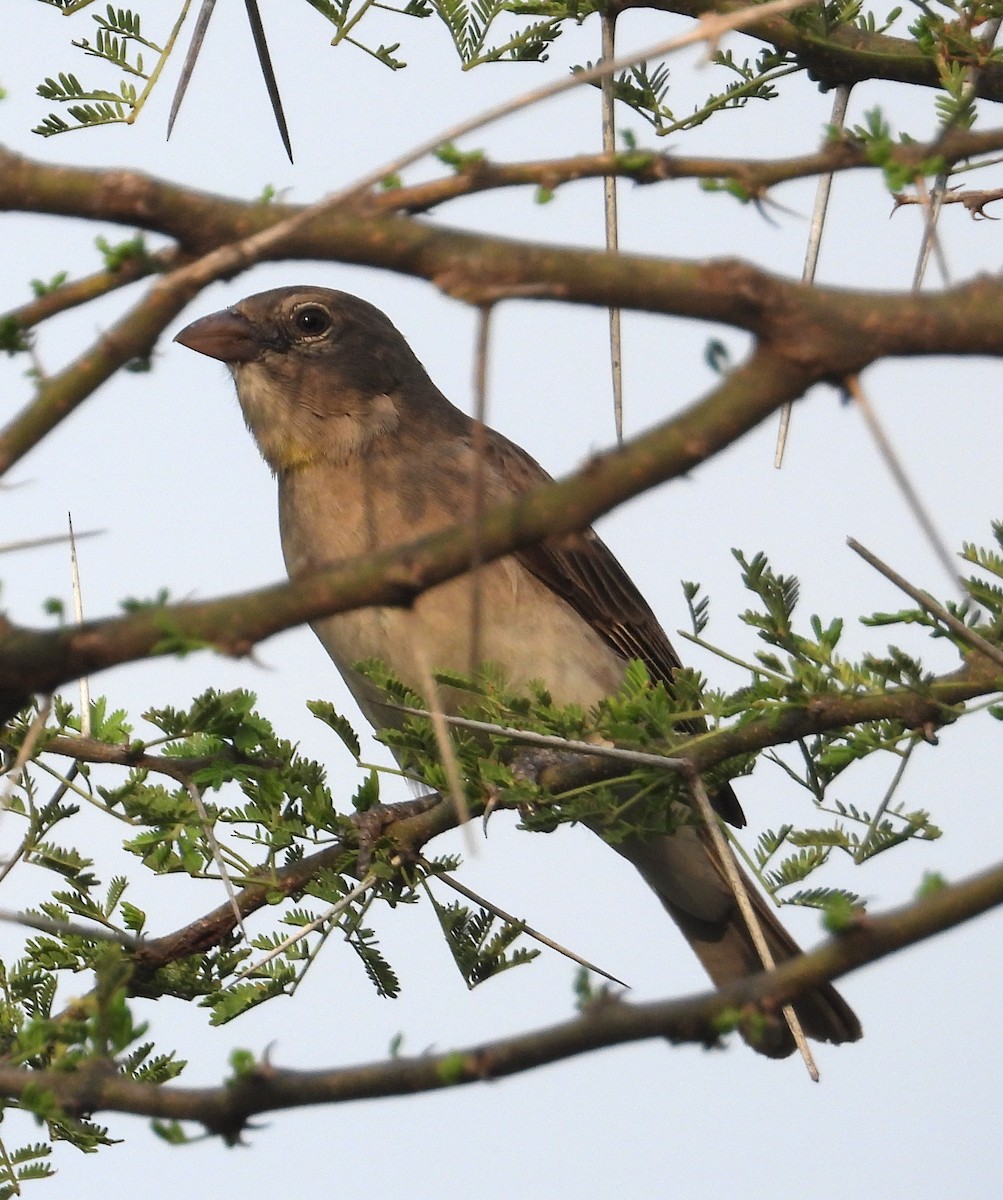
(584, 572)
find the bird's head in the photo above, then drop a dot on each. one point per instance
(320, 374)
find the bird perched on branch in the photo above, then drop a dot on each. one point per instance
(369, 455)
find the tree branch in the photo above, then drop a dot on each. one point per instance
(77, 292)
(833, 55)
(134, 336)
(756, 176)
(609, 1021)
(90, 750)
(200, 221)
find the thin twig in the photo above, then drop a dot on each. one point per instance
(737, 885)
(969, 636)
(502, 915)
(334, 911)
(933, 204)
(24, 754)
(77, 292)
(479, 447)
(217, 852)
(67, 928)
(647, 167)
(754, 668)
(78, 614)
(975, 200)
(902, 480)
(550, 740)
(840, 101)
(610, 214)
(54, 539)
(67, 783)
(860, 854)
(447, 751)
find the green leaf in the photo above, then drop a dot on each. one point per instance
(326, 712)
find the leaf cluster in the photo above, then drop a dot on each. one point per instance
(267, 808)
(119, 42)
(646, 88)
(792, 670)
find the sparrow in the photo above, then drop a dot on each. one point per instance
(369, 454)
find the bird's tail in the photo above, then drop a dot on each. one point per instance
(684, 872)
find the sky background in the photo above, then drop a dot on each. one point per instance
(163, 464)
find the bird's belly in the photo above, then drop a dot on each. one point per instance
(452, 628)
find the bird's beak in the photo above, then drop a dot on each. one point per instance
(226, 335)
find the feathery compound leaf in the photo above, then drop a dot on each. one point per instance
(988, 595)
(699, 607)
(824, 898)
(769, 843)
(779, 594)
(381, 974)
(19, 1164)
(478, 952)
(326, 712)
(796, 868)
(819, 837)
(116, 44)
(66, 862)
(242, 997)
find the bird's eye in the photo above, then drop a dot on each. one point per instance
(312, 320)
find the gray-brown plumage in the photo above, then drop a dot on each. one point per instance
(369, 454)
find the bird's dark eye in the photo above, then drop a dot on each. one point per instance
(312, 320)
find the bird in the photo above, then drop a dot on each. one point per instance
(369, 454)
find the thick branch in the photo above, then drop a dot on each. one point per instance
(468, 264)
(840, 331)
(826, 333)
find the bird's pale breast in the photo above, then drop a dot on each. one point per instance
(333, 512)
